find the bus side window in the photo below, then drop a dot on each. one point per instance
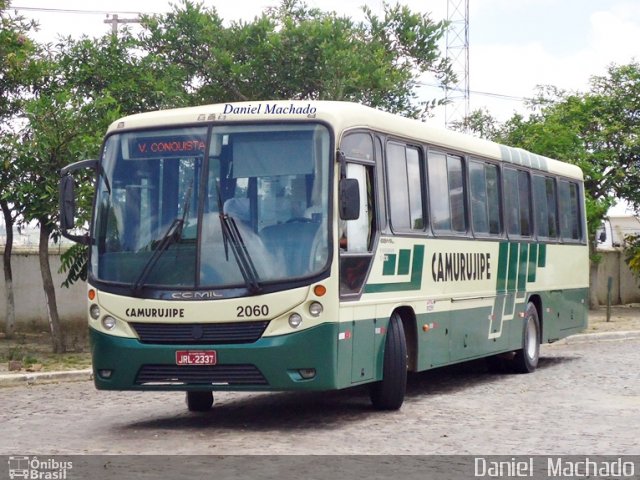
(405, 187)
(545, 206)
(485, 198)
(569, 203)
(446, 193)
(517, 195)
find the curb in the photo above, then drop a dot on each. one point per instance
(29, 378)
(598, 337)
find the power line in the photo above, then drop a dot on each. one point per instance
(75, 11)
(501, 96)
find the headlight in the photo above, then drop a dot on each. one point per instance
(109, 322)
(315, 309)
(94, 311)
(295, 320)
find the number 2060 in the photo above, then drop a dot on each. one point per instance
(246, 311)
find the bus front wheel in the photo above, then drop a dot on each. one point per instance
(199, 401)
(388, 394)
(526, 359)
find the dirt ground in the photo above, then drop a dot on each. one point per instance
(622, 318)
(32, 349)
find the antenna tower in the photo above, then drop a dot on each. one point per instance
(457, 52)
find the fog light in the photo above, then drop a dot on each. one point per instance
(94, 311)
(295, 320)
(315, 309)
(105, 373)
(307, 373)
(109, 322)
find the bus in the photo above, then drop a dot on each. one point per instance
(293, 245)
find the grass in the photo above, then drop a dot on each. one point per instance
(33, 349)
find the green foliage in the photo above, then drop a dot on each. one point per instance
(74, 263)
(293, 52)
(632, 253)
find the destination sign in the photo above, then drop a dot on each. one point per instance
(174, 146)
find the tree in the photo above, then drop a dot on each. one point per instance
(56, 132)
(16, 75)
(293, 52)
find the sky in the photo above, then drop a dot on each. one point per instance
(514, 45)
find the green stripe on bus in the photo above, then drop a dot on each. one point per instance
(403, 261)
(522, 267)
(416, 276)
(389, 265)
(533, 262)
(514, 253)
(502, 267)
(542, 256)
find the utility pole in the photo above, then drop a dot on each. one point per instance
(457, 52)
(115, 21)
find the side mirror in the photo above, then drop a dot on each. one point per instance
(67, 198)
(67, 203)
(349, 199)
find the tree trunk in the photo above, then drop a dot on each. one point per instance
(10, 321)
(57, 337)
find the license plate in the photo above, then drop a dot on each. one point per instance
(188, 357)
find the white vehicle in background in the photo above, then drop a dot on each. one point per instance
(614, 229)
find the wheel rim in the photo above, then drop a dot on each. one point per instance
(531, 339)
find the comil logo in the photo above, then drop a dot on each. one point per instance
(38, 469)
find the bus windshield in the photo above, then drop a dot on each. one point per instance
(197, 207)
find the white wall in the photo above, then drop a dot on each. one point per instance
(30, 301)
(625, 287)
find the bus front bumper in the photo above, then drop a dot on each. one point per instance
(270, 363)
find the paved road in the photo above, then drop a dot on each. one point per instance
(584, 399)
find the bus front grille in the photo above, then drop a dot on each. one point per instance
(200, 375)
(199, 333)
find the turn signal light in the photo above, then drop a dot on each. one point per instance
(319, 290)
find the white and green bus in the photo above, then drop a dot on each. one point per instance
(281, 245)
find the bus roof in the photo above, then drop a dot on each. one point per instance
(345, 116)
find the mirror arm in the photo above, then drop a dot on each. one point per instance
(91, 163)
(343, 164)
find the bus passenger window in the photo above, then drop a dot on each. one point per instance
(446, 193)
(485, 198)
(545, 206)
(405, 187)
(569, 211)
(517, 194)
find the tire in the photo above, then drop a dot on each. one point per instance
(388, 394)
(526, 359)
(199, 401)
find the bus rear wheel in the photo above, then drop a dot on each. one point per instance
(388, 394)
(199, 401)
(526, 359)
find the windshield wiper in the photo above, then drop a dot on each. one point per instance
(231, 236)
(171, 236)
